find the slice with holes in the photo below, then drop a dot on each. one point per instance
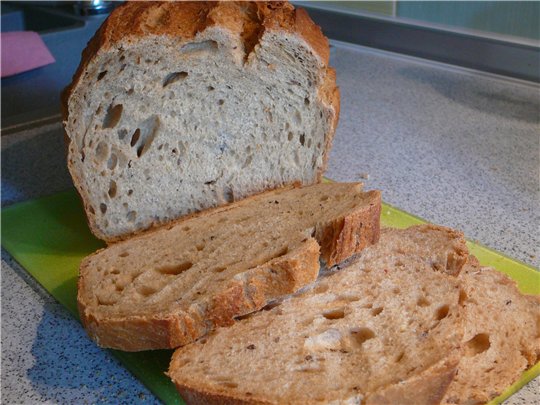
(501, 337)
(183, 106)
(385, 329)
(170, 286)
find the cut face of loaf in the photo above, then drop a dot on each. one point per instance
(501, 338)
(169, 286)
(178, 107)
(384, 330)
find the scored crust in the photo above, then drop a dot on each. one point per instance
(185, 21)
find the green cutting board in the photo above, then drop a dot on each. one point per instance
(49, 237)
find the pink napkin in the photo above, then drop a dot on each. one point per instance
(23, 51)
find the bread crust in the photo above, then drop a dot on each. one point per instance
(134, 20)
(346, 236)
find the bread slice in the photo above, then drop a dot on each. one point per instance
(167, 287)
(182, 106)
(501, 336)
(384, 330)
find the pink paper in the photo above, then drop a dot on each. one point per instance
(23, 51)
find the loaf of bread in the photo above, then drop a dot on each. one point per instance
(501, 336)
(182, 106)
(169, 286)
(384, 330)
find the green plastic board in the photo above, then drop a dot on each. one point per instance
(49, 237)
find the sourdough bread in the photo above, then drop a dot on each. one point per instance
(182, 106)
(384, 330)
(501, 336)
(169, 286)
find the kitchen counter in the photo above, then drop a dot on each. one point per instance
(452, 146)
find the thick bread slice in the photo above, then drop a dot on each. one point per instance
(383, 328)
(182, 106)
(172, 285)
(501, 336)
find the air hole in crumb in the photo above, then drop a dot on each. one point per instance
(112, 189)
(442, 312)
(396, 290)
(101, 75)
(122, 133)
(103, 208)
(203, 46)
(332, 314)
(175, 269)
(145, 290)
(91, 209)
(350, 297)
(297, 118)
(219, 269)
(135, 137)
(124, 254)
(221, 101)
(131, 216)
(102, 150)
(306, 101)
(324, 198)
(302, 139)
(130, 192)
(400, 357)
(462, 297)
(290, 136)
(422, 302)
(112, 162)
(186, 228)
(174, 77)
(199, 247)
(146, 133)
(376, 311)
(478, 344)
(113, 116)
(210, 88)
(360, 335)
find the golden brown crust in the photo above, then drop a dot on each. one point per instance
(184, 21)
(346, 236)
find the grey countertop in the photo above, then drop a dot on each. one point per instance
(455, 147)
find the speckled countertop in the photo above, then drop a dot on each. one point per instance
(454, 147)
